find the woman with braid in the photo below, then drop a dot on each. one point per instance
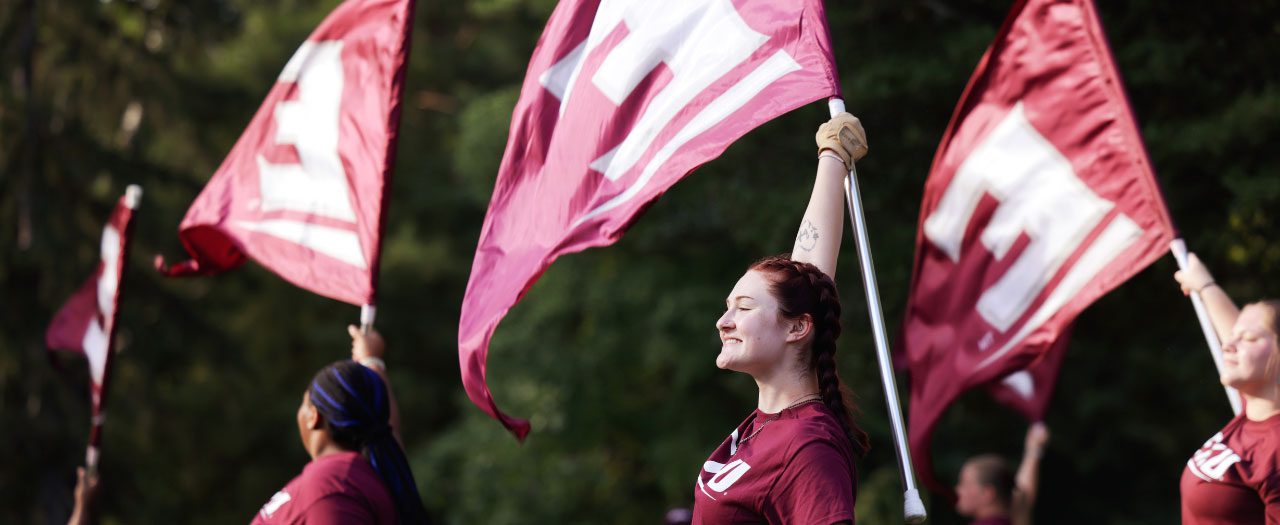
(348, 423)
(792, 460)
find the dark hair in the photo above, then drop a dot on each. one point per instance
(993, 471)
(801, 288)
(356, 408)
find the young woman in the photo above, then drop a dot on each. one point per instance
(358, 472)
(1234, 477)
(792, 459)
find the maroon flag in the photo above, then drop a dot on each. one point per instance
(1040, 200)
(302, 191)
(621, 100)
(86, 323)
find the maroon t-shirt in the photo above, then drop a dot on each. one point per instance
(1234, 477)
(333, 489)
(796, 469)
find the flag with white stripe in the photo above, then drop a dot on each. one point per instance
(621, 100)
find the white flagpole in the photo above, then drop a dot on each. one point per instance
(368, 313)
(913, 507)
(1179, 249)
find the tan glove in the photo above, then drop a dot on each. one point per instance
(844, 136)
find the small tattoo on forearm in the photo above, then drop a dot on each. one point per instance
(807, 239)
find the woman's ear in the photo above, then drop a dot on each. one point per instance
(799, 328)
(311, 417)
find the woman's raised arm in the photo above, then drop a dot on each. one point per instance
(841, 142)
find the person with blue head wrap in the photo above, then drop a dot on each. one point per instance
(348, 423)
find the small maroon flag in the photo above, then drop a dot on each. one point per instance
(86, 323)
(621, 100)
(302, 192)
(1040, 200)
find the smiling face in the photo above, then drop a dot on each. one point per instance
(753, 334)
(1249, 361)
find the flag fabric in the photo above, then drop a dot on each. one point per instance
(303, 191)
(1040, 200)
(86, 323)
(622, 99)
(1027, 391)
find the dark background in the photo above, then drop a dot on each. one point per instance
(611, 353)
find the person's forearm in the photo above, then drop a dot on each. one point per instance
(822, 228)
(1222, 310)
(1029, 474)
(1025, 486)
(394, 407)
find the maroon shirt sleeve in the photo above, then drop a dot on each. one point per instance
(815, 488)
(336, 509)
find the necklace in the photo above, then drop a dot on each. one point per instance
(807, 398)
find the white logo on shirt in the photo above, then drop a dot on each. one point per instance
(1211, 462)
(723, 476)
(280, 498)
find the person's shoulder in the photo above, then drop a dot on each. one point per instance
(814, 425)
(337, 508)
(815, 421)
(334, 472)
(1262, 438)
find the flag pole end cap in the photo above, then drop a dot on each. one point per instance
(132, 195)
(913, 508)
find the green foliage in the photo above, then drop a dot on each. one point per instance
(611, 353)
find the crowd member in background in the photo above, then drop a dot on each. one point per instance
(991, 494)
(349, 425)
(792, 459)
(1234, 478)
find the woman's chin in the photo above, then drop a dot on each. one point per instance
(728, 360)
(723, 361)
(1252, 386)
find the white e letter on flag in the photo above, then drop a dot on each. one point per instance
(302, 191)
(1040, 200)
(316, 183)
(622, 99)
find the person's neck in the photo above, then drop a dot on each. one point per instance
(1260, 406)
(328, 450)
(320, 446)
(779, 391)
